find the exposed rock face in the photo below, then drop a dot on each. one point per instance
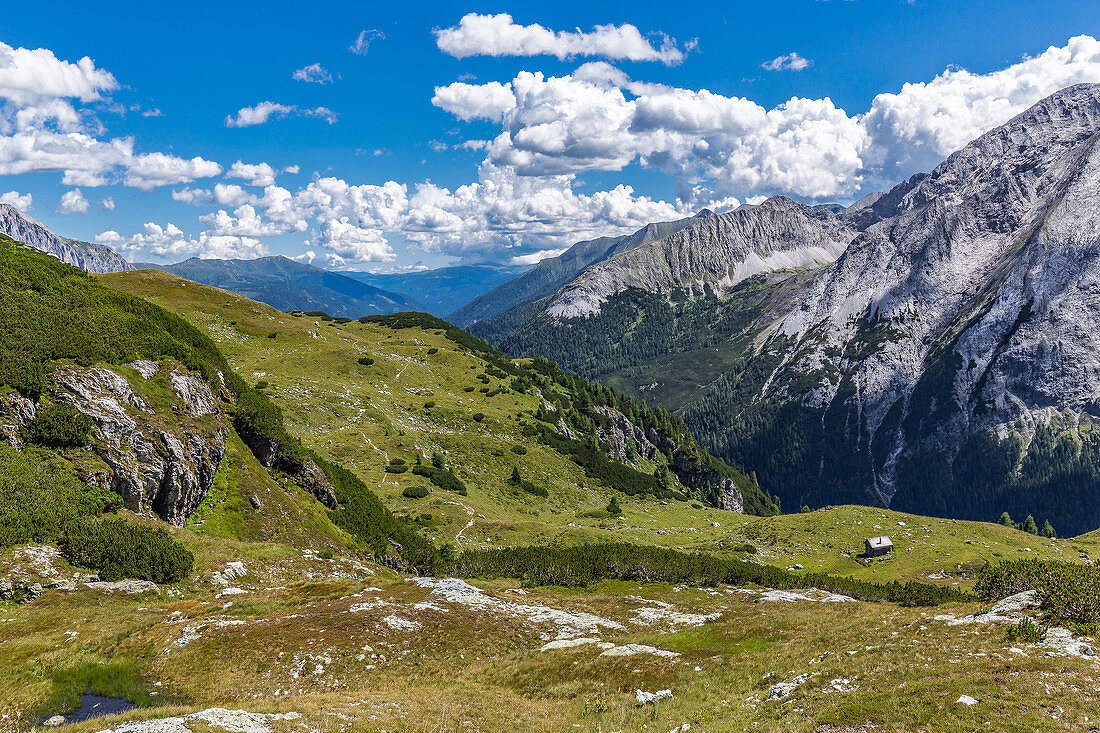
(313, 479)
(15, 412)
(717, 251)
(161, 458)
(85, 255)
(624, 436)
(984, 286)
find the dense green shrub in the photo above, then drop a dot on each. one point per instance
(38, 500)
(433, 350)
(1024, 630)
(584, 564)
(429, 404)
(415, 492)
(1069, 591)
(23, 373)
(520, 483)
(262, 384)
(365, 360)
(442, 478)
(428, 322)
(118, 549)
(519, 450)
(58, 425)
(478, 416)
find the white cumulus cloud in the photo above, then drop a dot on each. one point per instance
(31, 76)
(21, 201)
(73, 202)
(170, 242)
(500, 35)
(482, 101)
(257, 174)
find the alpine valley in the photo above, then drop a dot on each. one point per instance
(795, 466)
(931, 349)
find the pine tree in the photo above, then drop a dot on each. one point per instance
(664, 480)
(613, 507)
(1007, 520)
(1030, 526)
(1048, 530)
(515, 475)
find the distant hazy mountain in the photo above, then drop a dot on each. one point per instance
(445, 289)
(288, 285)
(33, 233)
(507, 307)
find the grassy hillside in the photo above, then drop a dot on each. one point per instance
(423, 394)
(284, 615)
(367, 416)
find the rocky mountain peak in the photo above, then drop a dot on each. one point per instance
(716, 251)
(87, 256)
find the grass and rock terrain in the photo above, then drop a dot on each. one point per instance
(286, 617)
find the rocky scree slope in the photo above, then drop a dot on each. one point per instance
(87, 256)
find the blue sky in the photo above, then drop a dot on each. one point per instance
(453, 133)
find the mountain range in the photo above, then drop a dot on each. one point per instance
(444, 289)
(293, 286)
(931, 349)
(510, 305)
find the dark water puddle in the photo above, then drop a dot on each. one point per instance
(96, 706)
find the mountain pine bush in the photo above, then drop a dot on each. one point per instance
(118, 549)
(58, 425)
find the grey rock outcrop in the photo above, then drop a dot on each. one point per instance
(87, 256)
(630, 442)
(313, 479)
(15, 412)
(161, 458)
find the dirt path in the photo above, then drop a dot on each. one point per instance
(459, 538)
